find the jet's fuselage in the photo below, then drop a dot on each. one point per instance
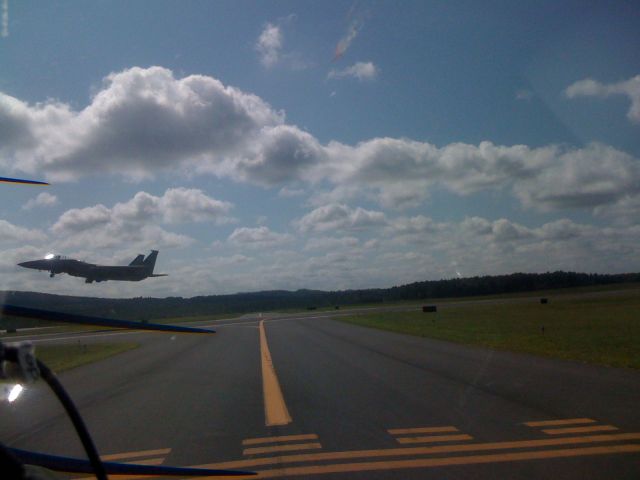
(135, 272)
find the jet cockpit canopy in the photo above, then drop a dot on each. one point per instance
(52, 256)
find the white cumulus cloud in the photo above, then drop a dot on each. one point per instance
(288, 192)
(258, 237)
(360, 71)
(339, 217)
(331, 243)
(10, 233)
(140, 121)
(177, 205)
(43, 199)
(414, 225)
(592, 88)
(136, 220)
(269, 44)
(588, 177)
(399, 172)
(626, 211)
(146, 120)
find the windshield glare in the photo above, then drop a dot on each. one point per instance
(355, 239)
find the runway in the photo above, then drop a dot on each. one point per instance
(309, 396)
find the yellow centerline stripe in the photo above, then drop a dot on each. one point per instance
(561, 431)
(141, 453)
(433, 439)
(552, 423)
(443, 462)
(403, 431)
(275, 410)
(282, 448)
(396, 452)
(284, 438)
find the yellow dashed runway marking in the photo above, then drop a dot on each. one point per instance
(554, 423)
(443, 462)
(383, 459)
(430, 450)
(563, 431)
(284, 438)
(142, 453)
(409, 431)
(438, 437)
(434, 439)
(282, 448)
(135, 457)
(280, 444)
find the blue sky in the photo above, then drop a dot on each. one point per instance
(332, 145)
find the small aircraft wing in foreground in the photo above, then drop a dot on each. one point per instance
(139, 269)
(21, 181)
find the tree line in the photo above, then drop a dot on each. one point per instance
(147, 308)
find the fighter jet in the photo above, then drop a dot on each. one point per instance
(139, 269)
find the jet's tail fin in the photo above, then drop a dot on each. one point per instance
(139, 260)
(150, 261)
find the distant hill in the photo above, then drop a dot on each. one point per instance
(144, 308)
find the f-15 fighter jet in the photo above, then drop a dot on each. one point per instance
(139, 269)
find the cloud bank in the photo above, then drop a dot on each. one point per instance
(136, 220)
(144, 121)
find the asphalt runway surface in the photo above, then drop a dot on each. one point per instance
(306, 396)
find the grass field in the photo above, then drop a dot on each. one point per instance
(600, 329)
(64, 357)
(197, 318)
(569, 291)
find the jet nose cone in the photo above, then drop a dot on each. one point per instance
(32, 264)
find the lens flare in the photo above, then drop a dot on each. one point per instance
(15, 393)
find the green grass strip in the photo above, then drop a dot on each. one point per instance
(64, 357)
(602, 330)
